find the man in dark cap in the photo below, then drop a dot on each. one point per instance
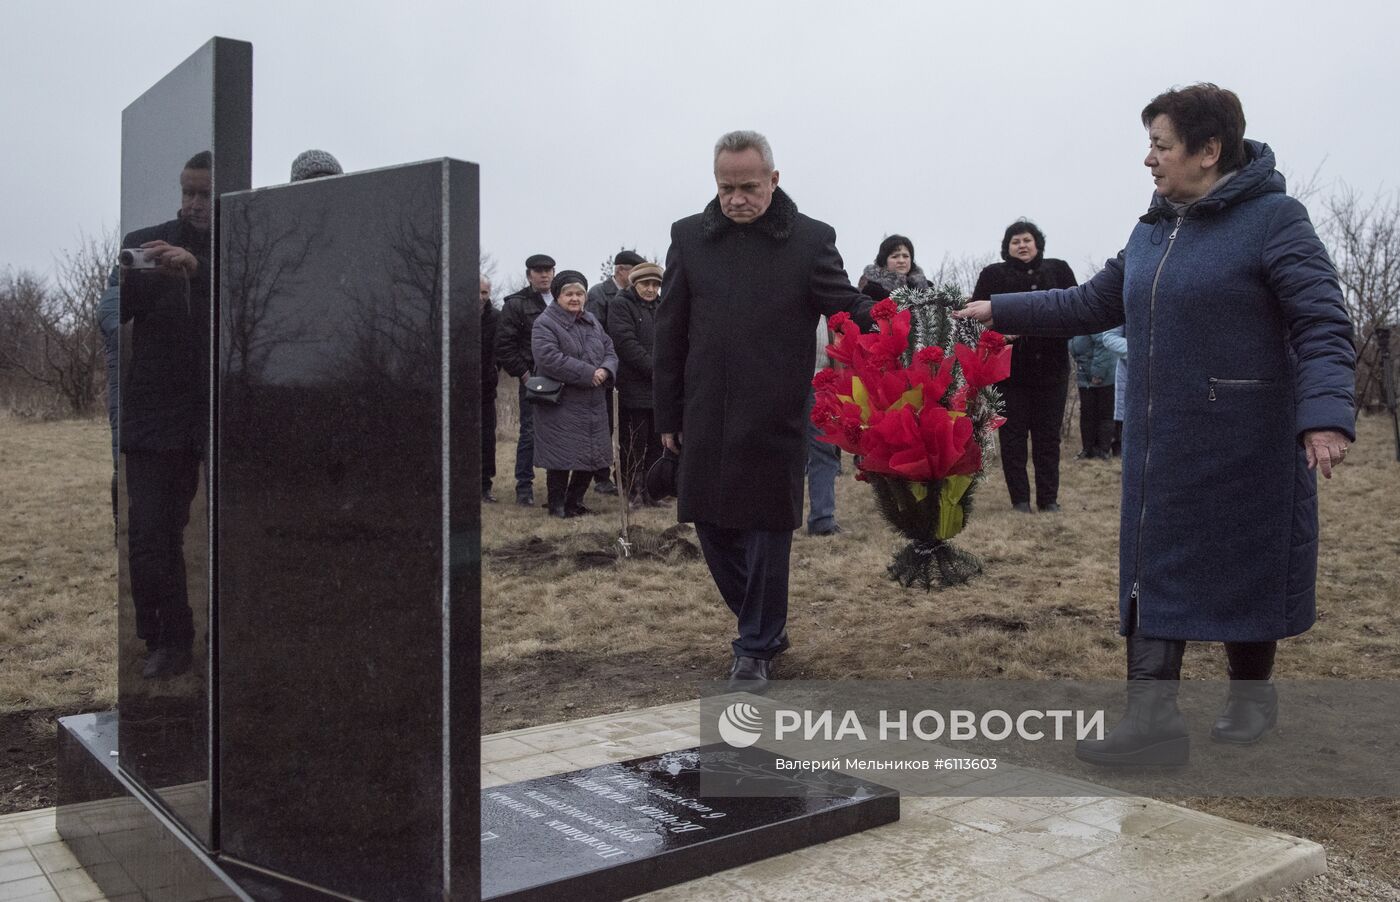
(514, 356)
(599, 296)
(490, 320)
(746, 282)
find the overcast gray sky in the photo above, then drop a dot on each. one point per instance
(593, 122)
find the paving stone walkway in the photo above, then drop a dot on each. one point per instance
(1073, 847)
(1079, 848)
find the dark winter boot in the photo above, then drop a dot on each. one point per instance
(573, 498)
(1152, 731)
(557, 485)
(1252, 707)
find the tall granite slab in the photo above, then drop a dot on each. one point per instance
(348, 508)
(184, 141)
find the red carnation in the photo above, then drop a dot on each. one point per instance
(884, 310)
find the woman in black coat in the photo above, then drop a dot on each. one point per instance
(632, 326)
(1035, 391)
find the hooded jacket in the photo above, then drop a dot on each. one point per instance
(1241, 344)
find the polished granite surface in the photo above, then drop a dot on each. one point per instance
(348, 511)
(114, 845)
(184, 141)
(629, 827)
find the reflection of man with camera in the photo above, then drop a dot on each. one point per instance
(165, 282)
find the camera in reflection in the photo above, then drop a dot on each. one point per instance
(136, 258)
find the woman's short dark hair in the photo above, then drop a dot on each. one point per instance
(1022, 227)
(1202, 112)
(888, 246)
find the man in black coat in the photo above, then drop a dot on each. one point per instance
(746, 281)
(513, 353)
(164, 412)
(490, 321)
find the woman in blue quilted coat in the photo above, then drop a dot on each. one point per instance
(1241, 390)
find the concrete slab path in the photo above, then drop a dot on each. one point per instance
(1080, 847)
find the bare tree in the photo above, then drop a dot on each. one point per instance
(51, 336)
(488, 267)
(1363, 237)
(262, 267)
(960, 271)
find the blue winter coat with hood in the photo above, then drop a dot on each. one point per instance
(1241, 343)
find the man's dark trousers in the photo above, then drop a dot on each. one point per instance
(750, 567)
(605, 474)
(525, 450)
(488, 439)
(160, 486)
(1036, 411)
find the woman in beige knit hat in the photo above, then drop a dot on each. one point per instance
(632, 325)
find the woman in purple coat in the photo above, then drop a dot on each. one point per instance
(572, 441)
(1243, 375)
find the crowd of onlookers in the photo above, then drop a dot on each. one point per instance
(581, 358)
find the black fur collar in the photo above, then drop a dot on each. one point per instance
(777, 221)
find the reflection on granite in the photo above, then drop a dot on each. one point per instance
(630, 827)
(122, 847)
(348, 582)
(183, 141)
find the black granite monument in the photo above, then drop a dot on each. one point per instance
(348, 530)
(299, 546)
(184, 141)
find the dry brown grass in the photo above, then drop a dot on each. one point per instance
(561, 643)
(1045, 607)
(58, 566)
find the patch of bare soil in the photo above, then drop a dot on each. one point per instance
(560, 686)
(559, 555)
(28, 763)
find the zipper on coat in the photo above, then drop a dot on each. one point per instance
(1214, 382)
(1147, 426)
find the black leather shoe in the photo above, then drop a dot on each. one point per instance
(525, 499)
(748, 674)
(166, 662)
(558, 510)
(832, 530)
(487, 497)
(1022, 506)
(1152, 732)
(606, 487)
(1051, 508)
(1250, 712)
(578, 510)
(783, 644)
